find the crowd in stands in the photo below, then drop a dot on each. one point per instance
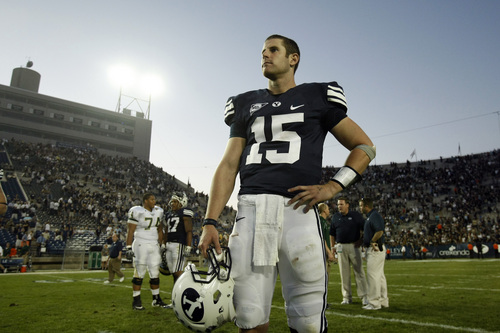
(76, 191)
(81, 192)
(447, 201)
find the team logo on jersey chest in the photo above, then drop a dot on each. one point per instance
(276, 104)
(256, 107)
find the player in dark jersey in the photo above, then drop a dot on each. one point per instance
(276, 144)
(178, 235)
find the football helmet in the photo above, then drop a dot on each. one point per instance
(164, 265)
(203, 300)
(181, 198)
(164, 269)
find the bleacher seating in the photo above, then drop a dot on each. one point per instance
(56, 247)
(6, 237)
(12, 189)
(94, 191)
(4, 159)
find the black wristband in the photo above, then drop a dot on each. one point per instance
(209, 222)
(3, 203)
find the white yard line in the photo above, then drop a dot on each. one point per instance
(405, 322)
(412, 322)
(54, 274)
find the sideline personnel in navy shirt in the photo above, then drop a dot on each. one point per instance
(115, 260)
(346, 230)
(375, 256)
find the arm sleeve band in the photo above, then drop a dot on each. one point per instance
(371, 151)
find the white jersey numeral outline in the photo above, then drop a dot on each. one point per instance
(173, 228)
(272, 155)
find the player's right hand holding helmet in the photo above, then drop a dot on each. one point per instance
(187, 250)
(203, 301)
(129, 254)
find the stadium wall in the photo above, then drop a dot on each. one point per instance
(450, 251)
(33, 117)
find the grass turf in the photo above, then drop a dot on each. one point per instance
(425, 296)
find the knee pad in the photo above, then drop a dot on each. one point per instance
(137, 281)
(315, 323)
(308, 263)
(154, 282)
(250, 317)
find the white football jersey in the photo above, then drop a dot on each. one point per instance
(147, 223)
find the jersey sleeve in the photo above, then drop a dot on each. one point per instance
(160, 212)
(238, 127)
(229, 111)
(186, 212)
(133, 215)
(336, 105)
(335, 96)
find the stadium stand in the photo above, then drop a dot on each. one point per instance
(84, 196)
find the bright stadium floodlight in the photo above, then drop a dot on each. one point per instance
(121, 75)
(148, 84)
(152, 84)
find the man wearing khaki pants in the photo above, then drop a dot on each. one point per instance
(373, 241)
(115, 260)
(345, 240)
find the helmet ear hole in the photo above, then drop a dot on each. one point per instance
(216, 296)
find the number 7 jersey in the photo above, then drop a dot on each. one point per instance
(284, 135)
(147, 223)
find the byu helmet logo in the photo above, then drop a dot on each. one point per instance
(191, 305)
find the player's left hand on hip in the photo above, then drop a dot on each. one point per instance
(309, 196)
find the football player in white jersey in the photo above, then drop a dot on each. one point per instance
(144, 236)
(276, 145)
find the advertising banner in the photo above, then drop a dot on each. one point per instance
(487, 250)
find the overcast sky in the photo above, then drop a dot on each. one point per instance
(419, 76)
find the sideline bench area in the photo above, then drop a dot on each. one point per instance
(12, 264)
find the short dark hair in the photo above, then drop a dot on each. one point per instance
(147, 195)
(368, 202)
(344, 199)
(290, 46)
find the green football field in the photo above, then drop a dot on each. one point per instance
(425, 296)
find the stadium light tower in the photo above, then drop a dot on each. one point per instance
(124, 76)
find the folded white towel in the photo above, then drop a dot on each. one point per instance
(269, 210)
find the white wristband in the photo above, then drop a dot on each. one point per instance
(346, 176)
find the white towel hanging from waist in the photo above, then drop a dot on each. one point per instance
(269, 210)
